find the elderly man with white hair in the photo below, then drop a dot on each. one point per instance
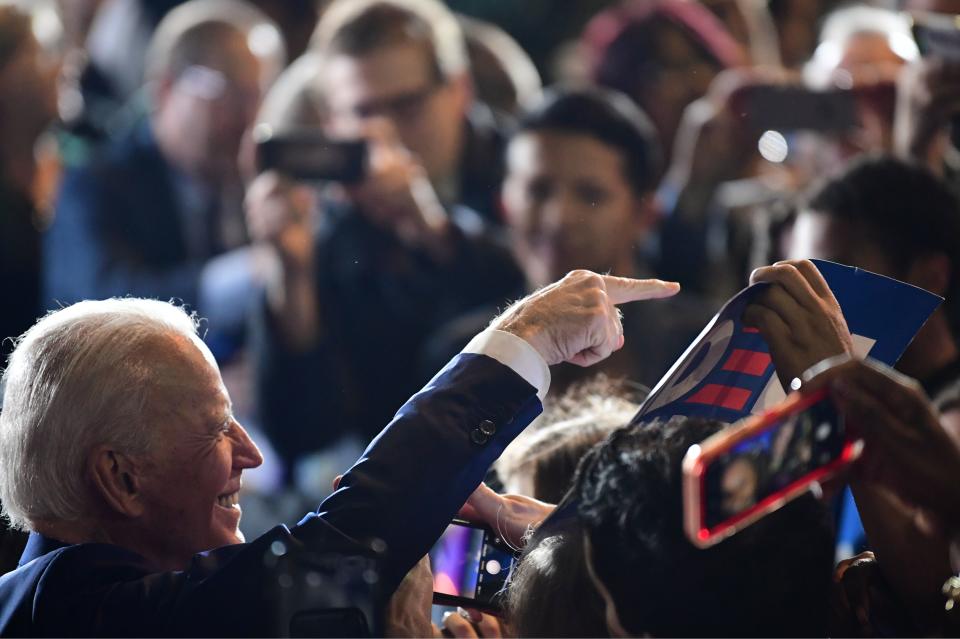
(119, 452)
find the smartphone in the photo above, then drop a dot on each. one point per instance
(471, 565)
(307, 154)
(788, 108)
(936, 34)
(738, 475)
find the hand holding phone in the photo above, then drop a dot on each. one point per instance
(739, 475)
(908, 451)
(928, 100)
(308, 154)
(470, 565)
(793, 107)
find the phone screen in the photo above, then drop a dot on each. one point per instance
(790, 451)
(309, 155)
(796, 108)
(740, 474)
(470, 565)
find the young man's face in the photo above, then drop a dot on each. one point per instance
(399, 82)
(568, 205)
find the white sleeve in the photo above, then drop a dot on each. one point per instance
(516, 353)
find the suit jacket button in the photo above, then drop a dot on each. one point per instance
(478, 437)
(487, 427)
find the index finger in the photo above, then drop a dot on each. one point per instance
(626, 289)
(813, 276)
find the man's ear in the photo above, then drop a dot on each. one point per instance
(931, 271)
(116, 479)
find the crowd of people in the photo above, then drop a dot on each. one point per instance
(294, 214)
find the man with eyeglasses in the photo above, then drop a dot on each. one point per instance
(143, 215)
(365, 271)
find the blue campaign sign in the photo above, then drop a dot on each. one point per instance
(726, 373)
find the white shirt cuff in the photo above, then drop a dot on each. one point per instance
(515, 353)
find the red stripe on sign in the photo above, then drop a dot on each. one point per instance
(749, 362)
(718, 395)
(748, 329)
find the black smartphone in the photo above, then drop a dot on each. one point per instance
(307, 154)
(787, 108)
(471, 565)
(740, 474)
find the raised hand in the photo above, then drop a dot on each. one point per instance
(798, 316)
(576, 319)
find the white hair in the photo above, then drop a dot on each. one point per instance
(847, 22)
(445, 34)
(79, 378)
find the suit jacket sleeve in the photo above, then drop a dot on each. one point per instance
(415, 475)
(404, 490)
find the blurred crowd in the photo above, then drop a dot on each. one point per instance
(349, 190)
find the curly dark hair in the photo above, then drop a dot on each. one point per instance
(772, 578)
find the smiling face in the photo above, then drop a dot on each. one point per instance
(189, 484)
(569, 205)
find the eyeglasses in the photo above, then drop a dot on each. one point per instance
(405, 106)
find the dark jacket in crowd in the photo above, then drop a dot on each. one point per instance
(379, 301)
(122, 229)
(20, 264)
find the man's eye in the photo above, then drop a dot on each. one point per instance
(593, 195)
(539, 190)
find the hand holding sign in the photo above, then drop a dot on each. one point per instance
(798, 316)
(727, 373)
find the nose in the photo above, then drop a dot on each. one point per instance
(245, 451)
(558, 213)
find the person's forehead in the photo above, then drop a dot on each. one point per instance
(822, 236)
(187, 379)
(380, 74)
(235, 60)
(565, 151)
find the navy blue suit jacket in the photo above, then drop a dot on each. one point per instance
(404, 490)
(117, 229)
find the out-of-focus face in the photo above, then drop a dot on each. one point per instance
(739, 486)
(210, 107)
(191, 480)
(816, 235)
(868, 57)
(684, 74)
(399, 83)
(568, 205)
